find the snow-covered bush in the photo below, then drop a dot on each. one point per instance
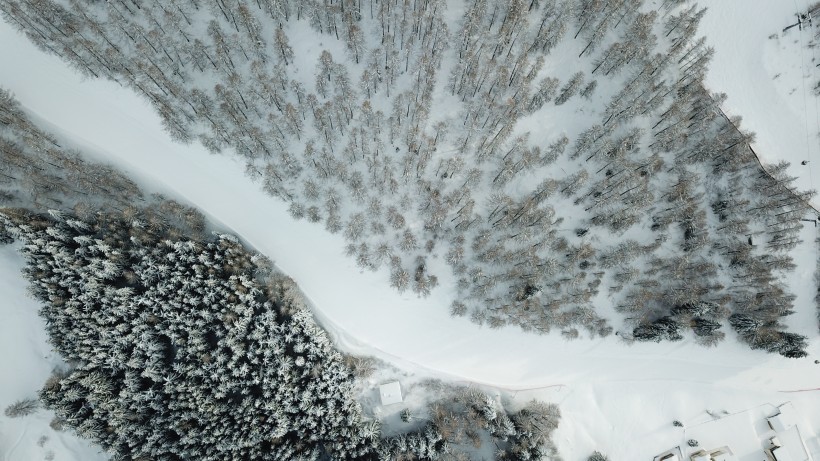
(664, 328)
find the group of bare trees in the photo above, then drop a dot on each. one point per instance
(468, 423)
(409, 143)
(724, 210)
(35, 170)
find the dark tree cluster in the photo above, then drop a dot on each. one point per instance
(193, 349)
(597, 456)
(179, 350)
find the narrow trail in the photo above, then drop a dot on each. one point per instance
(11, 449)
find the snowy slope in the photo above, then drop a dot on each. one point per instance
(769, 76)
(615, 397)
(26, 362)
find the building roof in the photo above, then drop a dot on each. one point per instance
(784, 419)
(701, 457)
(670, 455)
(781, 454)
(789, 446)
(390, 393)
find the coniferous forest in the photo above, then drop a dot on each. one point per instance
(193, 349)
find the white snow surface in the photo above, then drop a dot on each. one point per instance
(769, 77)
(615, 398)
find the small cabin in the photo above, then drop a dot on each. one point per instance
(390, 393)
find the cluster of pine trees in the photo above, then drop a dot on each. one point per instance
(182, 348)
(413, 139)
(178, 351)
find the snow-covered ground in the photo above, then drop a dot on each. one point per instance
(616, 398)
(769, 77)
(26, 361)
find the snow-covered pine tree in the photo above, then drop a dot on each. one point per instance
(179, 351)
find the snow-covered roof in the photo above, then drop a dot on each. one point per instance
(390, 393)
(789, 446)
(782, 454)
(701, 457)
(724, 457)
(783, 420)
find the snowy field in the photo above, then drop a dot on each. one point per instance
(616, 398)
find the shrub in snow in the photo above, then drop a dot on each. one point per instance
(589, 89)
(704, 327)
(5, 237)
(744, 324)
(664, 328)
(571, 87)
(57, 423)
(597, 456)
(21, 408)
(458, 308)
(406, 416)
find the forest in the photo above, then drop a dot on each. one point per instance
(425, 131)
(194, 349)
(556, 166)
(180, 344)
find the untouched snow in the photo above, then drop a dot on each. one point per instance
(26, 362)
(615, 398)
